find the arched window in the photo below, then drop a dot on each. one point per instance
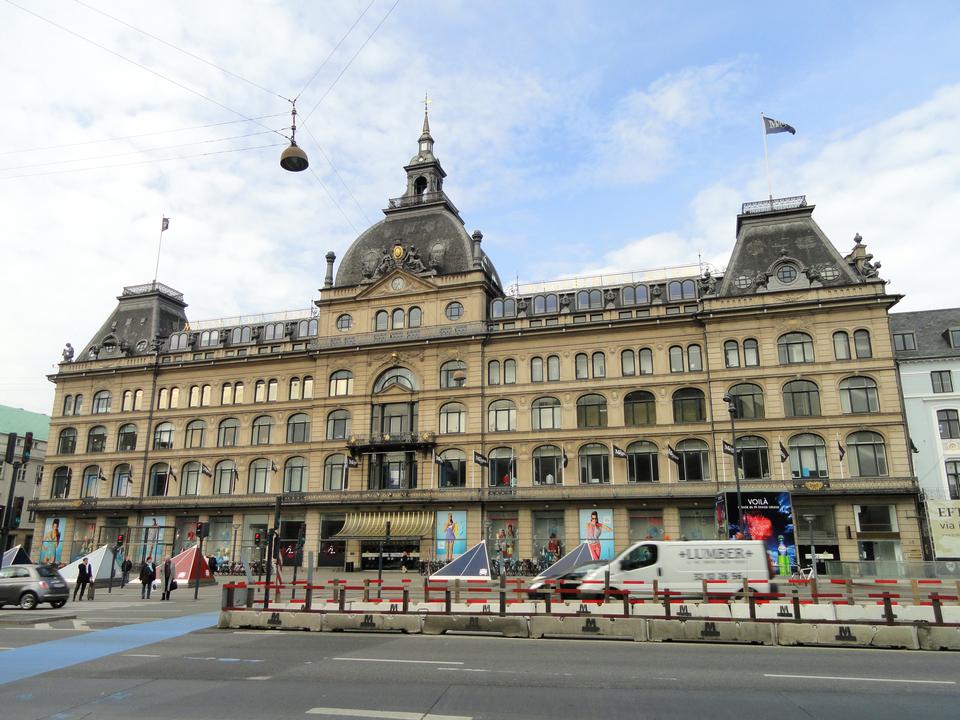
(502, 416)
(582, 366)
(67, 441)
(748, 399)
(126, 402)
(639, 408)
(381, 321)
(496, 309)
(159, 478)
(194, 437)
(238, 393)
(754, 458)
(553, 368)
(307, 328)
(547, 465)
(258, 479)
(163, 436)
(866, 454)
(861, 343)
(396, 376)
(643, 295)
(751, 353)
(295, 389)
(138, 399)
(228, 432)
(646, 361)
(78, 404)
(536, 369)
(307, 387)
(596, 299)
(493, 372)
(628, 363)
(335, 472)
(190, 479)
(453, 418)
(675, 290)
(795, 347)
(60, 487)
(545, 413)
(295, 475)
(591, 411)
(594, 462)
(509, 307)
(689, 406)
(273, 331)
(260, 432)
(223, 477)
(583, 300)
(68, 405)
(694, 464)
(174, 398)
(628, 295)
(509, 371)
(399, 319)
(841, 345)
(209, 338)
(643, 464)
(272, 388)
(179, 341)
(676, 359)
(194, 400)
(808, 456)
(452, 472)
(97, 439)
(859, 395)
(127, 438)
(416, 317)
(599, 363)
(91, 479)
(122, 480)
(341, 383)
(260, 391)
(503, 467)
(453, 374)
(298, 428)
(801, 398)
(552, 303)
(338, 424)
(694, 358)
(539, 305)
(344, 322)
(731, 354)
(101, 402)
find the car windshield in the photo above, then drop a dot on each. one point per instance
(45, 571)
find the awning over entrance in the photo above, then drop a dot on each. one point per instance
(411, 525)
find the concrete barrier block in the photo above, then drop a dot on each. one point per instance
(719, 611)
(852, 613)
(951, 614)
(577, 608)
(358, 606)
(784, 612)
(938, 637)
(796, 634)
(875, 636)
(647, 609)
(588, 627)
(753, 633)
(913, 613)
(271, 620)
(370, 622)
(508, 626)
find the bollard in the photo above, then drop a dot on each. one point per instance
(447, 601)
(342, 600)
(308, 597)
(227, 602)
(503, 594)
(796, 604)
(849, 590)
(937, 608)
(915, 591)
(456, 590)
(406, 599)
(706, 591)
(606, 583)
(549, 599)
(626, 602)
(666, 604)
(887, 608)
(751, 599)
(251, 592)
(366, 589)
(656, 590)
(426, 588)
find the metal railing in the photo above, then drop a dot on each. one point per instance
(423, 199)
(948, 569)
(774, 204)
(152, 287)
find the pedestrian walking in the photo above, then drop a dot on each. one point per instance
(212, 564)
(83, 577)
(169, 578)
(405, 562)
(125, 567)
(148, 573)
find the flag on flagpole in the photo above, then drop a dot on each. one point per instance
(204, 470)
(842, 450)
(165, 224)
(565, 458)
(273, 466)
(784, 455)
(437, 459)
(480, 459)
(772, 126)
(672, 454)
(619, 452)
(728, 448)
(352, 462)
(913, 448)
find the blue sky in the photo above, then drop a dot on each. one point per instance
(580, 137)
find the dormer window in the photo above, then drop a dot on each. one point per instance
(953, 335)
(786, 273)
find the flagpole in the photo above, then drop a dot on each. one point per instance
(156, 269)
(842, 474)
(613, 469)
(563, 465)
(780, 445)
(766, 162)
(433, 467)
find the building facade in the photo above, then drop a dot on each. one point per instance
(417, 390)
(16, 420)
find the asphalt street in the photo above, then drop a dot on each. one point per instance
(124, 672)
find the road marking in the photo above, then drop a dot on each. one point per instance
(390, 660)
(450, 669)
(863, 679)
(140, 655)
(384, 714)
(259, 677)
(222, 659)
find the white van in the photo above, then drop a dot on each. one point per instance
(683, 566)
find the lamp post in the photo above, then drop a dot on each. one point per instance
(732, 409)
(813, 547)
(233, 547)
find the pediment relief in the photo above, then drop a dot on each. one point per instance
(395, 284)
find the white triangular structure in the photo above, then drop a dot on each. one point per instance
(99, 560)
(580, 555)
(474, 564)
(16, 556)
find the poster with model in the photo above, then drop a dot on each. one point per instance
(451, 534)
(51, 546)
(596, 530)
(767, 516)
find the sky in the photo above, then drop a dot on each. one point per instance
(582, 138)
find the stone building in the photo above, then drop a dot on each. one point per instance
(419, 390)
(16, 420)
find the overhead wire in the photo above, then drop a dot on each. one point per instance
(337, 173)
(334, 50)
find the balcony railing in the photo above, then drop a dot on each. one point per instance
(774, 204)
(411, 200)
(153, 287)
(393, 440)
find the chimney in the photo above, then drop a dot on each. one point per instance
(328, 279)
(477, 238)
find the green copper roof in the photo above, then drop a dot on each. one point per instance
(23, 421)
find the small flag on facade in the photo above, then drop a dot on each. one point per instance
(784, 455)
(842, 450)
(438, 460)
(165, 224)
(204, 470)
(772, 126)
(672, 454)
(273, 466)
(619, 452)
(480, 459)
(728, 448)
(913, 448)
(565, 458)
(100, 475)
(352, 462)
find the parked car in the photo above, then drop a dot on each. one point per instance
(30, 585)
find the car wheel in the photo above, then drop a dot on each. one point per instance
(28, 601)
(58, 603)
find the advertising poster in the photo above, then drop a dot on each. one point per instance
(768, 516)
(153, 537)
(596, 529)
(944, 517)
(504, 532)
(451, 534)
(51, 546)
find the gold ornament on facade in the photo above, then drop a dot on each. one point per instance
(398, 252)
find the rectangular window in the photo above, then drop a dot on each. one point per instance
(673, 310)
(536, 323)
(624, 314)
(553, 321)
(942, 381)
(949, 423)
(596, 317)
(953, 479)
(698, 524)
(904, 341)
(579, 318)
(646, 525)
(955, 337)
(876, 518)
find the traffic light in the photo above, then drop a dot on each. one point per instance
(27, 447)
(257, 539)
(11, 448)
(203, 530)
(17, 511)
(120, 540)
